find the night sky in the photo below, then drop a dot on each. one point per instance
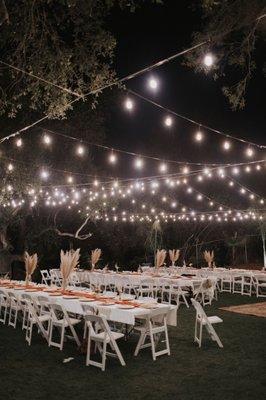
(152, 33)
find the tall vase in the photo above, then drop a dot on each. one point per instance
(27, 280)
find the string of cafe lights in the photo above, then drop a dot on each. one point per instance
(139, 159)
(208, 60)
(199, 135)
(169, 179)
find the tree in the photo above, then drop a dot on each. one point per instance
(64, 42)
(232, 29)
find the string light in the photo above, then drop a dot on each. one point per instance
(70, 179)
(138, 163)
(112, 158)
(19, 142)
(153, 83)
(44, 174)
(226, 145)
(198, 136)
(80, 150)
(163, 168)
(208, 60)
(47, 139)
(129, 104)
(168, 121)
(249, 152)
(10, 167)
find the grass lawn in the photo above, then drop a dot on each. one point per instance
(236, 372)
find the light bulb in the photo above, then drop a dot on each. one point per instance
(153, 83)
(208, 60)
(47, 139)
(198, 136)
(10, 167)
(129, 104)
(226, 145)
(249, 152)
(70, 179)
(80, 150)
(168, 121)
(44, 174)
(138, 163)
(112, 158)
(19, 142)
(163, 167)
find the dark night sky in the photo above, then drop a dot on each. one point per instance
(154, 32)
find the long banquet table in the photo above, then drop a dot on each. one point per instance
(111, 312)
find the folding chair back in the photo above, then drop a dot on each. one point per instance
(203, 320)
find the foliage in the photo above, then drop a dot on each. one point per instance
(64, 42)
(232, 29)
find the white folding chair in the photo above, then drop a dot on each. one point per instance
(226, 282)
(35, 318)
(237, 283)
(154, 325)
(46, 278)
(74, 280)
(100, 333)
(4, 306)
(205, 292)
(61, 320)
(203, 320)
(55, 277)
(260, 284)
(14, 309)
(87, 310)
(247, 284)
(146, 288)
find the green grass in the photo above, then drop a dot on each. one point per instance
(235, 372)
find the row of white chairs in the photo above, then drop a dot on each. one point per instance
(169, 291)
(48, 316)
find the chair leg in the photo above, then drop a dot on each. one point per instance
(152, 345)
(118, 352)
(140, 343)
(75, 336)
(104, 355)
(88, 350)
(62, 337)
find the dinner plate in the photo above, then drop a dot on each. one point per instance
(31, 290)
(105, 304)
(18, 288)
(84, 300)
(70, 297)
(125, 306)
(55, 294)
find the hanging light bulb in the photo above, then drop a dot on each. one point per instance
(153, 83)
(112, 158)
(138, 163)
(19, 142)
(44, 174)
(198, 136)
(70, 179)
(208, 60)
(129, 104)
(168, 121)
(10, 167)
(185, 170)
(249, 152)
(226, 145)
(163, 167)
(80, 150)
(47, 139)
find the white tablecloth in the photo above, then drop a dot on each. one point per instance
(112, 312)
